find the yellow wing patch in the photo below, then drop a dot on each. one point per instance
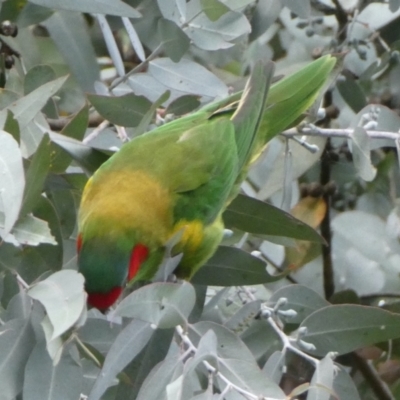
(129, 200)
(192, 235)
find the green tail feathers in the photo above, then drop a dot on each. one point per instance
(289, 98)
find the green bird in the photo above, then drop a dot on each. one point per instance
(177, 180)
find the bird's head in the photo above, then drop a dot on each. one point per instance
(107, 263)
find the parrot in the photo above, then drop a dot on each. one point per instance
(176, 180)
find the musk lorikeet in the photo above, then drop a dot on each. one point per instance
(180, 177)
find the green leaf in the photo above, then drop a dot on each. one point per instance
(239, 321)
(18, 307)
(65, 203)
(67, 29)
(214, 9)
(116, 7)
(230, 266)
(394, 5)
(128, 344)
(246, 373)
(52, 256)
(344, 385)
(127, 110)
(99, 333)
(36, 77)
(188, 77)
(259, 218)
(346, 328)
(76, 129)
(89, 159)
(352, 94)
(148, 117)
(362, 154)
(36, 176)
(275, 366)
(155, 352)
(322, 381)
(12, 181)
(174, 41)
(215, 35)
(163, 304)
(16, 342)
(183, 105)
(11, 126)
(63, 297)
(153, 387)
(206, 351)
(299, 298)
(33, 14)
(301, 8)
(51, 382)
(26, 108)
(30, 231)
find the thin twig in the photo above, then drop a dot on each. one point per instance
(190, 346)
(370, 375)
(103, 125)
(342, 133)
(138, 68)
(87, 351)
(287, 344)
(328, 274)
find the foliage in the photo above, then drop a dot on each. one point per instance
(305, 288)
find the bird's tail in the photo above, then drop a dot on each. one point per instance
(290, 98)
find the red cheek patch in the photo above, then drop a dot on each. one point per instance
(102, 301)
(79, 243)
(138, 256)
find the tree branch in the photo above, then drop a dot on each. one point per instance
(343, 133)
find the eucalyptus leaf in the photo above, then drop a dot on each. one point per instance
(16, 342)
(12, 182)
(214, 35)
(361, 154)
(188, 77)
(153, 387)
(31, 231)
(301, 8)
(75, 128)
(89, 159)
(303, 300)
(63, 297)
(352, 94)
(214, 9)
(51, 382)
(231, 266)
(99, 333)
(183, 105)
(128, 344)
(67, 28)
(321, 385)
(260, 218)
(344, 386)
(173, 39)
(345, 328)
(163, 304)
(245, 374)
(26, 108)
(36, 175)
(126, 110)
(117, 7)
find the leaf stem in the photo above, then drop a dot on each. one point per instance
(86, 350)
